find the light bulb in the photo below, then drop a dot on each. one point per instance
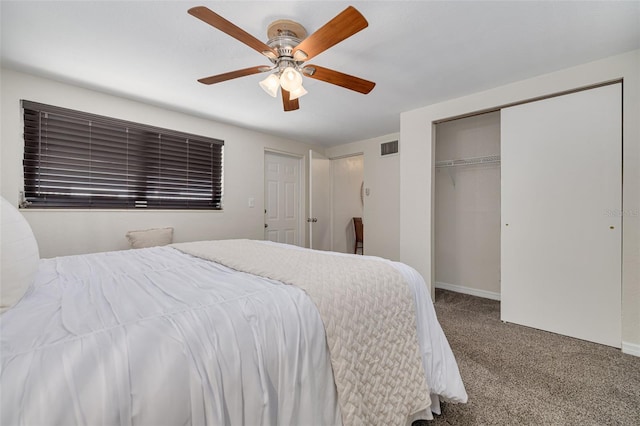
(270, 85)
(290, 79)
(299, 92)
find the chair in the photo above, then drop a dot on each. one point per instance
(357, 225)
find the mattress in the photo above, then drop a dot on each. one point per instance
(155, 336)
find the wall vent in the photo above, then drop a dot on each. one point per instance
(388, 148)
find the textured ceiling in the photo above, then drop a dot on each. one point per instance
(418, 53)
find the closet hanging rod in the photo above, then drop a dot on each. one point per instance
(488, 159)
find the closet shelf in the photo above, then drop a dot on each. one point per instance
(488, 159)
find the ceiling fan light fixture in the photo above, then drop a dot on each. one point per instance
(271, 85)
(291, 79)
(299, 92)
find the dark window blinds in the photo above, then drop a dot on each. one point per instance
(74, 159)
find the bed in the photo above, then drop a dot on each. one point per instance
(166, 335)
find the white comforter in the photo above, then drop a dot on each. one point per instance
(155, 336)
(369, 319)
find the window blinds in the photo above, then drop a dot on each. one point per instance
(74, 159)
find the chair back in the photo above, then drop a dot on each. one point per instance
(359, 230)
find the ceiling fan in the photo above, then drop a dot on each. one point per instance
(288, 49)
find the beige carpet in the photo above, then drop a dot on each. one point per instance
(517, 375)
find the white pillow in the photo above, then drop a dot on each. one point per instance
(19, 254)
(150, 237)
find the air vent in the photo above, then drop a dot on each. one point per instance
(389, 148)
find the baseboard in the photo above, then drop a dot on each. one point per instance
(468, 290)
(631, 348)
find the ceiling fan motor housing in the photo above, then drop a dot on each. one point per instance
(284, 46)
(284, 35)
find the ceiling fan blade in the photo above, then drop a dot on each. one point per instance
(340, 79)
(207, 15)
(289, 105)
(344, 25)
(233, 74)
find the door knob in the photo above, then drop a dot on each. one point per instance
(266, 226)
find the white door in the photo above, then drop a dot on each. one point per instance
(282, 219)
(319, 202)
(561, 226)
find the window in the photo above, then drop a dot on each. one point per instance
(74, 159)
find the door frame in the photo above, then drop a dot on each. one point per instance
(302, 236)
(332, 183)
(310, 212)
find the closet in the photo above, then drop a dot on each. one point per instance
(559, 236)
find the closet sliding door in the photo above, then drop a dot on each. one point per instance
(561, 197)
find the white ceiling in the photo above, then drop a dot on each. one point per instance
(418, 53)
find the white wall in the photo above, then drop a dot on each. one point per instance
(64, 232)
(467, 207)
(382, 206)
(347, 175)
(417, 177)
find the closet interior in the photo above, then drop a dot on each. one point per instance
(467, 205)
